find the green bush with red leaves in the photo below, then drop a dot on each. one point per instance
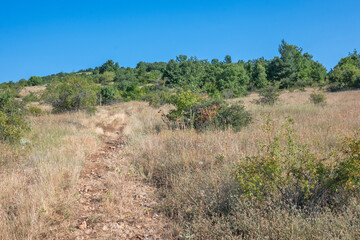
(197, 111)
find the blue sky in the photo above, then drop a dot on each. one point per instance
(45, 37)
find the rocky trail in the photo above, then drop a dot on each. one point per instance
(112, 201)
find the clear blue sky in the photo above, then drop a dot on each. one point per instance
(45, 37)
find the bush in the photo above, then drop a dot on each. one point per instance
(287, 173)
(34, 111)
(219, 115)
(157, 99)
(30, 98)
(317, 98)
(132, 92)
(334, 87)
(107, 94)
(195, 111)
(12, 124)
(72, 94)
(268, 96)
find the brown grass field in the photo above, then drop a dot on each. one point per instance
(39, 180)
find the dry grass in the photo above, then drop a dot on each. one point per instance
(37, 180)
(32, 89)
(194, 171)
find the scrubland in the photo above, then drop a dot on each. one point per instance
(194, 171)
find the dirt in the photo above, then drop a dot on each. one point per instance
(113, 202)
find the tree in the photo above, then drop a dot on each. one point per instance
(34, 81)
(347, 72)
(106, 77)
(227, 59)
(109, 66)
(294, 68)
(259, 76)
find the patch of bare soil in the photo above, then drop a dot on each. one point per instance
(112, 202)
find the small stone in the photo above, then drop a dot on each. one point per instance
(105, 228)
(83, 225)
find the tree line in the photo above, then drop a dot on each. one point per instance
(293, 68)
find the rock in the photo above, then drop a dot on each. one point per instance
(24, 141)
(83, 225)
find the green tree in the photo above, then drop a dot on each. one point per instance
(347, 72)
(259, 76)
(109, 66)
(34, 81)
(106, 77)
(227, 59)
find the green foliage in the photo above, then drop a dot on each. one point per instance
(133, 92)
(268, 96)
(34, 111)
(107, 94)
(288, 173)
(157, 99)
(12, 123)
(225, 116)
(334, 87)
(106, 77)
(31, 98)
(295, 68)
(72, 94)
(227, 59)
(347, 73)
(34, 81)
(184, 103)
(109, 66)
(226, 78)
(317, 98)
(195, 111)
(347, 171)
(259, 76)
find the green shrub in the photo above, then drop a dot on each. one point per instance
(72, 94)
(34, 111)
(268, 96)
(317, 98)
(195, 111)
(157, 99)
(219, 115)
(184, 103)
(12, 124)
(30, 98)
(132, 92)
(288, 173)
(334, 87)
(107, 94)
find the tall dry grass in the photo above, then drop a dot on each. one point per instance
(194, 171)
(38, 179)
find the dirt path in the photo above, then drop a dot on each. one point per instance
(112, 202)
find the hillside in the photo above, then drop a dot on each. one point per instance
(123, 173)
